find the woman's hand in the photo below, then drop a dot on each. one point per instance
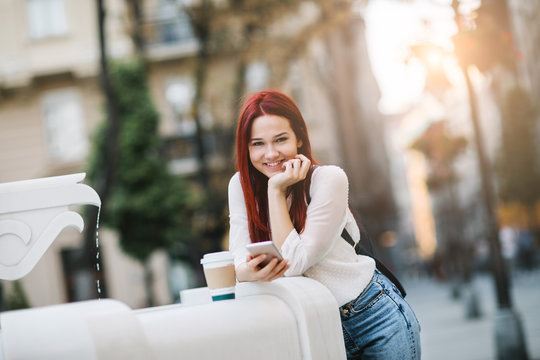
(251, 271)
(296, 170)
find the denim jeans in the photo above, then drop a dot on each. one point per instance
(380, 324)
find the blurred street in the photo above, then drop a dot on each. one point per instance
(447, 334)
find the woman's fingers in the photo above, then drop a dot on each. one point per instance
(301, 165)
(280, 269)
(302, 157)
(254, 263)
(293, 168)
(296, 165)
(306, 165)
(273, 270)
(282, 272)
(265, 274)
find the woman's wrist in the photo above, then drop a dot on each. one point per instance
(242, 273)
(276, 191)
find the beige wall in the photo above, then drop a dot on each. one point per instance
(30, 71)
(23, 145)
(76, 51)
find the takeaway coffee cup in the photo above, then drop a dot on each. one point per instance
(220, 275)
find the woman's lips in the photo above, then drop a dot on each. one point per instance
(274, 164)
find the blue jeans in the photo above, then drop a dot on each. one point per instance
(380, 324)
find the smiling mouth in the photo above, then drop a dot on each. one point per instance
(274, 164)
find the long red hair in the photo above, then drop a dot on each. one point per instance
(254, 183)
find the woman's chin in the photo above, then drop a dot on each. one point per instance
(269, 173)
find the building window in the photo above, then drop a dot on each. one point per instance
(67, 139)
(173, 23)
(46, 18)
(168, 25)
(181, 148)
(180, 92)
(257, 75)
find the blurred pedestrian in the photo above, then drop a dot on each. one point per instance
(526, 250)
(280, 193)
(508, 237)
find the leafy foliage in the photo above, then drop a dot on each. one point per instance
(17, 298)
(485, 41)
(440, 149)
(518, 166)
(148, 206)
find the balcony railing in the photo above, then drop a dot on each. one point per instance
(169, 37)
(181, 151)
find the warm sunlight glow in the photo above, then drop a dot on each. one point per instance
(434, 58)
(392, 28)
(424, 224)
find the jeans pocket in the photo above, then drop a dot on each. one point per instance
(368, 298)
(374, 328)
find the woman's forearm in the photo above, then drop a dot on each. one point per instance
(295, 170)
(280, 220)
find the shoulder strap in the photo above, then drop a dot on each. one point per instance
(361, 250)
(361, 247)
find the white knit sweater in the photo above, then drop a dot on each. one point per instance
(318, 252)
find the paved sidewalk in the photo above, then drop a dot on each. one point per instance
(447, 334)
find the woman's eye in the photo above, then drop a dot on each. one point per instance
(256, 143)
(281, 139)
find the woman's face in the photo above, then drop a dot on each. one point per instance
(272, 142)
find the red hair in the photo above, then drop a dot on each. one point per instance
(254, 183)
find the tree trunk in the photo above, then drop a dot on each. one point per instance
(200, 20)
(149, 283)
(137, 36)
(488, 196)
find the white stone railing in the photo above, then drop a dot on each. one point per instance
(290, 318)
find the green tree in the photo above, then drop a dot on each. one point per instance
(149, 207)
(441, 150)
(518, 167)
(17, 298)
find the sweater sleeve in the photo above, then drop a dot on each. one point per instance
(326, 217)
(239, 230)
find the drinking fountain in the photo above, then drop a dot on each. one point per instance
(33, 213)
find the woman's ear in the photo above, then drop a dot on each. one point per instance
(299, 143)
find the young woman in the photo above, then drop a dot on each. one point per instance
(280, 193)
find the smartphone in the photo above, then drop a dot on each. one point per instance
(264, 247)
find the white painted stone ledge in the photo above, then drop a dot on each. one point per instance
(290, 318)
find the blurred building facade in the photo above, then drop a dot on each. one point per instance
(51, 102)
(467, 226)
(524, 16)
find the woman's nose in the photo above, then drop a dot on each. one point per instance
(271, 152)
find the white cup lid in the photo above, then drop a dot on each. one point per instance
(222, 256)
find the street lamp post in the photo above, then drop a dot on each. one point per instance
(509, 337)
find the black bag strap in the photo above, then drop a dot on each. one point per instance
(361, 250)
